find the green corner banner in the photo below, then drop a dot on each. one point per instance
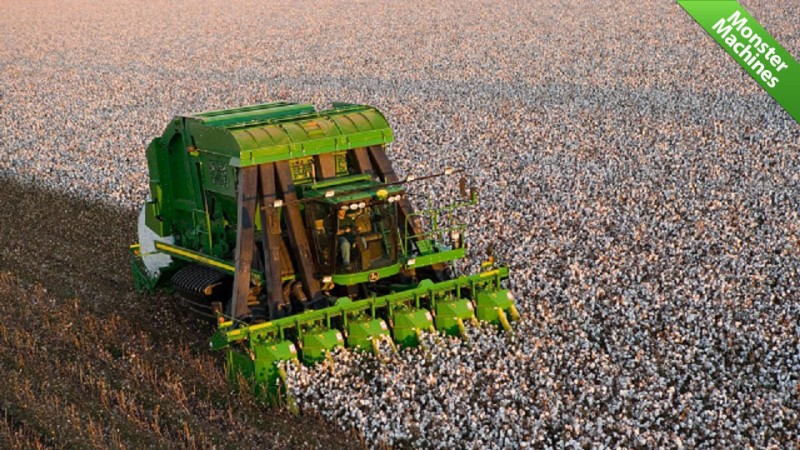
(752, 47)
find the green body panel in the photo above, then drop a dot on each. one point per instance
(268, 134)
(240, 363)
(151, 211)
(425, 246)
(260, 364)
(266, 355)
(450, 312)
(488, 303)
(364, 277)
(408, 322)
(319, 341)
(439, 257)
(141, 279)
(361, 331)
(253, 113)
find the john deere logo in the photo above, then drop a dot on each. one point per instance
(373, 277)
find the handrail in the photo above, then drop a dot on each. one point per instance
(433, 214)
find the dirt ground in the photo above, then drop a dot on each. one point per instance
(87, 362)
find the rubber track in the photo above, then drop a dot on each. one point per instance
(192, 280)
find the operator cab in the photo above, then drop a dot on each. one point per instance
(354, 234)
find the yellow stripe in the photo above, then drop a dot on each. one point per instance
(259, 326)
(490, 273)
(194, 256)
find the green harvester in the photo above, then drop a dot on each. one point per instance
(288, 227)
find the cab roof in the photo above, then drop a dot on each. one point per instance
(357, 188)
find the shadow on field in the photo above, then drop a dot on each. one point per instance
(88, 362)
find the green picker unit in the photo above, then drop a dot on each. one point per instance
(290, 228)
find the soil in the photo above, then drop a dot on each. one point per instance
(88, 362)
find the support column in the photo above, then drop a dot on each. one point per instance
(297, 232)
(245, 236)
(271, 229)
(363, 164)
(325, 166)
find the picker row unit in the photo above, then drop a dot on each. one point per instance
(289, 228)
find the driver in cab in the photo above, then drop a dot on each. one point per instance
(345, 236)
(351, 225)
